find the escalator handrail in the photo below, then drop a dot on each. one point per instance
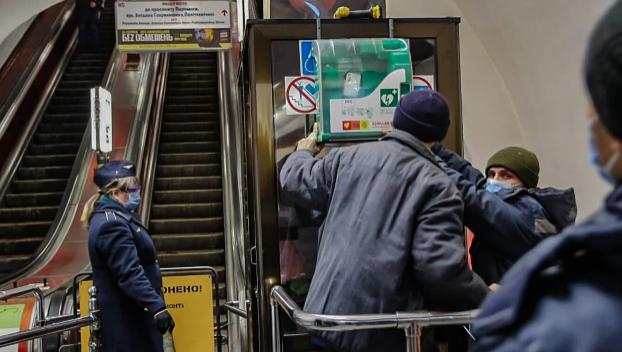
(147, 164)
(17, 153)
(21, 90)
(75, 184)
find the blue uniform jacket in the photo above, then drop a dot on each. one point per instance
(564, 295)
(508, 223)
(392, 238)
(127, 277)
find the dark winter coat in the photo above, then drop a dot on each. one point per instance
(128, 279)
(564, 295)
(508, 223)
(392, 239)
(86, 13)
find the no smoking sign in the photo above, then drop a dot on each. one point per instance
(300, 95)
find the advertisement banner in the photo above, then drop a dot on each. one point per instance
(189, 300)
(173, 25)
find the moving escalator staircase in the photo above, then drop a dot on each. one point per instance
(186, 218)
(34, 194)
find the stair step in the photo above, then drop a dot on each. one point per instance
(190, 116)
(24, 229)
(49, 160)
(188, 170)
(52, 138)
(187, 225)
(39, 186)
(189, 147)
(20, 246)
(53, 149)
(187, 196)
(11, 263)
(189, 158)
(210, 257)
(187, 183)
(43, 172)
(181, 242)
(194, 107)
(172, 91)
(33, 199)
(76, 127)
(28, 213)
(188, 210)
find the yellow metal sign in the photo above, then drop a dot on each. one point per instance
(189, 300)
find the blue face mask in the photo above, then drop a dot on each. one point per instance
(604, 171)
(494, 186)
(133, 201)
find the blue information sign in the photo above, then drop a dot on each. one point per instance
(307, 62)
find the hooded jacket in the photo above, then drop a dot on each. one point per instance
(506, 224)
(392, 239)
(565, 295)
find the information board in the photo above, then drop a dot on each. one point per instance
(173, 25)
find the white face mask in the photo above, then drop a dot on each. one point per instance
(605, 171)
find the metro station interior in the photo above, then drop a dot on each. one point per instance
(209, 129)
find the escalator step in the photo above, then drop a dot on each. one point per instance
(168, 211)
(61, 118)
(188, 158)
(188, 183)
(187, 196)
(190, 147)
(53, 138)
(188, 170)
(48, 127)
(190, 126)
(44, 172)
(205, 106)
(33, 199)
(211, 257)
(24, 229)
(23, 246)
(51, 149)
(188, 225)
(28, 213)
(9, 263)
(59, 109)
(74, 100)
(190, 116)
(79, 84)
(185, 136)
(191, 84)
(49, 160)
(181, 91)
(39, 186)
(196, 98)
(183, 241)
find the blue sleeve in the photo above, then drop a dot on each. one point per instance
(116, 244)
(439, 254)
(457, 163)
(506, 227)
(307, 180)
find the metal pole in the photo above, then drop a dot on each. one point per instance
(276, 329)
(94, 341)
(413, 338)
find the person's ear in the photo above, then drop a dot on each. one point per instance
(615, 145)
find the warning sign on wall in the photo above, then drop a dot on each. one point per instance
(300, 95)
(189, 300)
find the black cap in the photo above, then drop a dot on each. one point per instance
(424, 114)
(114, 170)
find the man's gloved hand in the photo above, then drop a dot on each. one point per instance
(310, 142)
(164, 321)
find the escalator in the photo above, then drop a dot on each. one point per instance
(32, 199)
(186, 218)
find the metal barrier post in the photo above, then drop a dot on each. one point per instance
(413, 338)
(94, 341)
(276, 329)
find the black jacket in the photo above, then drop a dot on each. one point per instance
(128, 279)
(564, 295)
(506, 224)
(392, 239)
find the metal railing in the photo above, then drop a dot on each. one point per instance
(410, 322)
(55, 324)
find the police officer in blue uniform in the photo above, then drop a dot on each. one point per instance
(123, 257)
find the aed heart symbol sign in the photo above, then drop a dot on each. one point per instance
(388, 98)
(299, 95)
